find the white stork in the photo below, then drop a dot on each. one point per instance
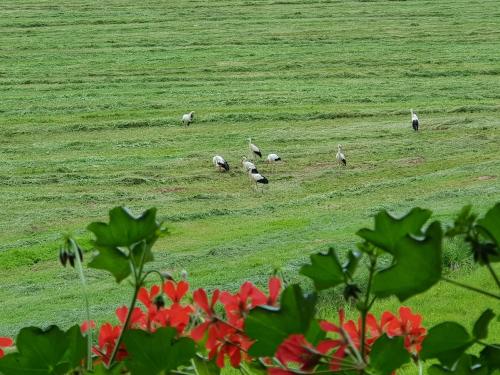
(220, 163)
(254, 149)
(247, 165)
(272, 158)
(341, 157)
(257, 177)
(188, 118)
(414, 120)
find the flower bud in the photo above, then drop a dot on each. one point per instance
(166, 275)
(63, 257)
(159, 301)
(71, 258)
(351, 291)
(184, 275)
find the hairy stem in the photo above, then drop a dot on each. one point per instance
(79, 266)
(493, 273)
(137, 271)
(366, 306)
(477, 290)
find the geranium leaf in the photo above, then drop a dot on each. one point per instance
(203, 366)
(158, 352)
(125, 229)
(39, 352)
(255, 367)
(77, 346)
(351, 264)
(315, 334)
(388, 354)
(138, 249)
(447, 342)
(270, 326)
(490, 224)
(389, 230)
(112, 260)
(116, 369)
(325, 270)
(491, 356)
(480, 330)
(415, 268)
(466, 365)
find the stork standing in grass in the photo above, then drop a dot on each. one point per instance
(257, 178)
(272, 159)
(254, 150)
(220, 163)
(247, 165)
(414, 120)
(188, 118)
(341, 157)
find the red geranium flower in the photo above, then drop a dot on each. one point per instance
(409, 326)
(349, 340)
(296, 349)
(201, 300)
(106, 343)
(148, 298)
(224, 340)
(274, 291)
(137, 320)
(5, 342)
(177, 316)
(86, 325)
(238, 305)
(175, 291)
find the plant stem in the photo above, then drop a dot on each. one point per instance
(138, 283)
(366, 306)
(489, 345)
(493, 273)
(79, 266)
(162, 279)
(477, 290)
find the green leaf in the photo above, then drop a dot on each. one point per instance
(325, 270)
(491, 356)
(270, 326)
(116, 369)
(480, 330)
(125, 229)
(254, 367)
(490, 224)
(203, 366)
(447, 342)
(463, 223)
(112, 260)
(155, 353)
(388, 354)
(415, 268)
(315, 334)
(352, 262)
(138, 249)
(77, 347)
(389, 230)
(466, 365)
(39, 352)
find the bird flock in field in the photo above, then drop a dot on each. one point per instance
(248, 164)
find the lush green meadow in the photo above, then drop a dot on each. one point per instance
(91, 95)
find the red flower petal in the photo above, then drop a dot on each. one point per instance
(6, 342)
(274, 290)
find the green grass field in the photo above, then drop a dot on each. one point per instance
(91, 95)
